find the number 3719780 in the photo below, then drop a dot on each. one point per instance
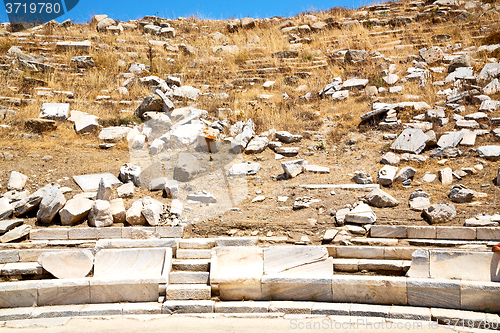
(33, 7)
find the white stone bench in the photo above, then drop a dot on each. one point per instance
(120, 275)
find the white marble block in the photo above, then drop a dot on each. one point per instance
(369, 289)
(237, 271)
(64, 291)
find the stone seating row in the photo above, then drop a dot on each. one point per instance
(435, 232)
(119, 275)
(291, 273)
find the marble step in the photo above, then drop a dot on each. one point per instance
(188, 292)
(375, 265)
(189, 278)
(196, 243)
(21, 268)
(191, 265)
(194, 253)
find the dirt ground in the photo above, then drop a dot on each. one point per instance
(56, 159)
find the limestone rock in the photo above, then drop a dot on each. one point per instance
(379, 198)
(134, 214)
(126, 190)
(386, 175)
(75, 210)
(100, 214)
(151, 211)
(245, 168)
(439, 213)
(432, 55)
(446, 176)
(293, 168)
(257, 145)
(390, 158)
(361, 177)
(461, 194)
(52, 201)
(362, 214)
(118, 210)
(152, 102)
(16, 181)
(104, 190)
(405, 174)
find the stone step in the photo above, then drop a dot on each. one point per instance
(194, 254)
(191, 265)
(188, 292)
(448, 243)
(189, 278)
(197, 243)
(21, 268)
(375, 265)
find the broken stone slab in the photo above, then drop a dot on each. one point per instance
(363, 187)
(90, 183)
(125, 190)
(489, 71)
(257, 145)
(355, 83)
(52, 201)
(361, 214)
(294, 168)
(67, 264)
(75, 210)
(386, 175)
(245, 168)
(6, 209)
(287, 137)
(491, 153)
(439, 213)
(204, 197)
(489, 106)
(287, 151)
(30, 203)
(86, 124)
(379, 198)
(54, 111)
(469, 138)
(432, 55)
(100, 214)
(15, 233)
(114, 134)
(451, 139)
(7, 225)
(16, 181)
(445, 152)
(317, 169)
(411, 140)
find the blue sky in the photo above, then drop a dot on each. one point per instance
(216, 9)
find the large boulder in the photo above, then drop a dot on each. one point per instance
(100, 215)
